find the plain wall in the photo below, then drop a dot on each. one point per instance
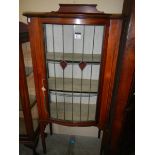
(108, 6)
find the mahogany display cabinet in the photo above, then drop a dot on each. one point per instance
(28, 111)
(74, 54)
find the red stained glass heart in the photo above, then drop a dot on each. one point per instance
(82, 65)
(63, 64)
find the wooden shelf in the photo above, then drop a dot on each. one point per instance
(76, 85)
(76, 111)
(76, 57)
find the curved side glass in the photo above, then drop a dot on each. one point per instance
(31, 91)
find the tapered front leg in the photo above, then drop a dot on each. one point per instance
(42, 128)
(34, 152)
(51, 131)
(99, 133)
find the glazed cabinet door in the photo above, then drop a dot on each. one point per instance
(74, 62)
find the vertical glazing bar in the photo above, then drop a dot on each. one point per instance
(82, 69)
(83, 42)
(63, 69)
(72, 69)
(55, 71)
(91, 71)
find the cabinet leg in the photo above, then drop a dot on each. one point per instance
(43, 138)
(34, 152)
(43, 142)
(51, 131)
(101, 148)
(99, 133)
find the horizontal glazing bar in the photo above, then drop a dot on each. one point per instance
(75, 94)
(71, 62)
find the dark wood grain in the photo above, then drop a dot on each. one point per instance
(39, 67)
(108, 70)
(101, 76)
(127, 74)
(81, 8)
(73, 11)
(73, 15)
(75, 20)
(70, 123)
(38, 60)
(112, 143)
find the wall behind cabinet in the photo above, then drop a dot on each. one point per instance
(108, 6)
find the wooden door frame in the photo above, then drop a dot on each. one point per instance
(110, 53)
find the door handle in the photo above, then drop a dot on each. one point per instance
(43, 87)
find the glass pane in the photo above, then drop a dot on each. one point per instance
(73, 58)
(30, 84)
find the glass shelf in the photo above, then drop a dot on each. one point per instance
(73, 57)
(28, 71)
(34, 111)
(27, 59)
(22, 129)
(32, 99)
(30, 84)
(77, 86)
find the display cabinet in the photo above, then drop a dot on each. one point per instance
(74, 53)
(28, 113)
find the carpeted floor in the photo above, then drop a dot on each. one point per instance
(66, 145)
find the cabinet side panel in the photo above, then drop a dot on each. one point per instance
(24, 94)
(110, 57)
